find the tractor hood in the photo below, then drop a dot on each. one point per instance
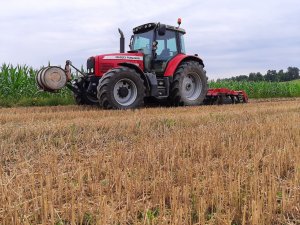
(103, 63)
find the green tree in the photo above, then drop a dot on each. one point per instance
(281, 75)
(256, 77)
(271, 76)
(292, 73)
(259, 76)
(242, 78)
(252, 77)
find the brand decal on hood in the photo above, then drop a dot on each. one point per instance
(127, 57)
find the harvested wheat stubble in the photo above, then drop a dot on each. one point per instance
(231, 164)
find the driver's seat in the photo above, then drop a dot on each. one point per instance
(164, 55)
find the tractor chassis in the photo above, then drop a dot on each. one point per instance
(158, 87)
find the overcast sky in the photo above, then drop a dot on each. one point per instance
(232, 36)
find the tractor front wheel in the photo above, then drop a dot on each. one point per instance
(121, 88)
(189, 86)
(82, 97)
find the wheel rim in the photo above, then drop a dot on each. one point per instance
(192, 86)
(125, 92)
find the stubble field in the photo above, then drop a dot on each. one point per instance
(231, 164)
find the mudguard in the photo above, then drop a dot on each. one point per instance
(175, 62)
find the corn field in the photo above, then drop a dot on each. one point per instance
(230, 164)
(262, 89)
(18, 87)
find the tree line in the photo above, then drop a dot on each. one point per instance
(292, 73)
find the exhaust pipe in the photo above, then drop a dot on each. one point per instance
(122, 41)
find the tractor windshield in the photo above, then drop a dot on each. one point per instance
(143, 41)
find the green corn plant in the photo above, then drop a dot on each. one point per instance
(262, 89)
(18, 83)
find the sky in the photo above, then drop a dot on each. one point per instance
(233, 37)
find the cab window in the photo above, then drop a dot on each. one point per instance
(167, 46)
(182, 43)
(143, 42)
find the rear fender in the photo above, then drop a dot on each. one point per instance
(177, 60)
(138, 70)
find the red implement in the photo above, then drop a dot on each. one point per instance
(219, 96)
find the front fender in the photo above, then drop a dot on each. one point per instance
(175, 62)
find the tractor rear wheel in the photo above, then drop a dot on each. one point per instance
(83, 97)
(189, 86)
(121, 88)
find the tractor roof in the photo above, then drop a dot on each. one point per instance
(150, 26)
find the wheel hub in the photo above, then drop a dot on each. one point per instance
(123, 92)
(188, 87)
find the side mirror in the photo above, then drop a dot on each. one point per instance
(162, 30)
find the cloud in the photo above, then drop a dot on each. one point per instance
(233, 37)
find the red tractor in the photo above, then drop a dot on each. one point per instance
(156, 68)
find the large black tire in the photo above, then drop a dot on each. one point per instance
(189, 86)
(82, 97)
(121, 88)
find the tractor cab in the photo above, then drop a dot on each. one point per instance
(159, 43)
